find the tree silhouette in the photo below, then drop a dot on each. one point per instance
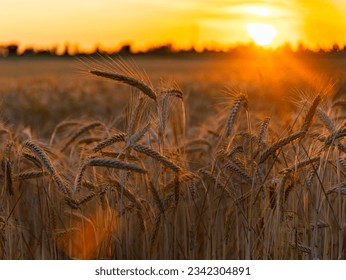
(12, 50)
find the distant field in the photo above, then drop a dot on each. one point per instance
(216, 68)
(196, 159)
(210, 79)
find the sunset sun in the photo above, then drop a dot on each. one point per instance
(263, 34)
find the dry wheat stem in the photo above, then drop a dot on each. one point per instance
(176, 190)
(272, 196)
(8, 177)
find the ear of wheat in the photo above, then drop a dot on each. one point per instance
(147, 90)
(280, 143)
(104, 162)
(240, 101)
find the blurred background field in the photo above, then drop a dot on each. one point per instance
(52, 90)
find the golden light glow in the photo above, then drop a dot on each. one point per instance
(263, 34)
(143, 24)
(259, 11)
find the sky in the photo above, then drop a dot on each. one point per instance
(145, 23)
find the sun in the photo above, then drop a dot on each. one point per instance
(263, 34)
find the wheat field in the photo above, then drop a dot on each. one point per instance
(151, 172)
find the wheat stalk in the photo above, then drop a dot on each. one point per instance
(240, 172)
(343, 162)
(262, 130)
(146, 89)
(342, 147)
(310, 114)
(41, 155)
(33, 159)
(326, 120)
(241, 100)
(272, 196)
(336, 135)
(339, 103)
(280, 143)
(122, 190)
(301, 164)
(135, 116)
(163, 116)
(76, 203)
(31, 174)
(157, 156)
(207, 174)
(183, 178)
(119, 137)
(104, 162)
(173, 92)
(341, 187)
(312, 174)
(137, 136)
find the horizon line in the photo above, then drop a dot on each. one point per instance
(75, 48)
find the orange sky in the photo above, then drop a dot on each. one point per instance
(110, 23)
